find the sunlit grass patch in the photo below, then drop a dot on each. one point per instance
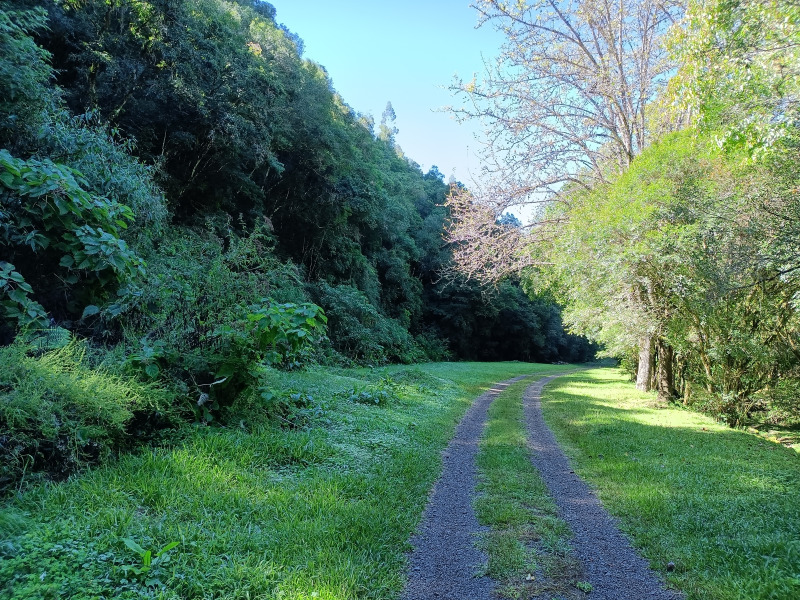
(319, 511)
(722, 505)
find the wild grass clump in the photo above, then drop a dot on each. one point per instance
(58, 412)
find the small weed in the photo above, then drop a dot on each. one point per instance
(152, 568)
(584, 586)
(379, 394)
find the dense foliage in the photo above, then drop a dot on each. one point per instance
(660, 141)
(180, 188)
(685, 265)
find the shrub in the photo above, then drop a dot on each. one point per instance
(194, 321)
(783, 400)
(109, 169)
(268, 335)
(64, 240)
(436, 348)
(58, 413)
(360, 331)
(197, 281)
(288, 408)
(377, 395)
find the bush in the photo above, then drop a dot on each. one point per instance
(359, 331)
(197, 281)
(64, 240)
(72, 195)
(266, 335)
(110, 170)
(195, 322)
(435, 347)
(58, 413)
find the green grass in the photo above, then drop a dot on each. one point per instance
(527, 545)
(319, 512)
(722, 504)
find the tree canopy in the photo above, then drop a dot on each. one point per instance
(674, 245)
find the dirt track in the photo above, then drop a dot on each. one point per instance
(444, 562)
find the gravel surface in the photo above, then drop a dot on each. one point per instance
(611, 565)
(444, 560)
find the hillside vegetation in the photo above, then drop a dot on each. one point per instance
(185, 204)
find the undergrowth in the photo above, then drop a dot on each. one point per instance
(322, 508)
(59, 412)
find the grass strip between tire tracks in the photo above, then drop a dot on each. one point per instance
(527, 545)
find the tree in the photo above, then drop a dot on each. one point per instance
(740, 68)
(388, 129)
(567, 107)
(624, 262)
(567, 100)
(202, 86)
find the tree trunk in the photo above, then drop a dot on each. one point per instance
(665, 374)
(644, 372)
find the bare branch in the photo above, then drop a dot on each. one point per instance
(564, 103)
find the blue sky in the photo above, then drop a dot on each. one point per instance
(405, 52)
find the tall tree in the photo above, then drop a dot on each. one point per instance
(566, 100)
(740, 68)
(388, 129)
(566, 106)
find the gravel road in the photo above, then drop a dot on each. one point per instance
(612, 566)
(444, 561)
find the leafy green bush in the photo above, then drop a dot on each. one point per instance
(66, 209)
(198, 280)
(65, 240)
(267, 335)
(194, 321)
(371, 395)
(782, 400)
(358, 330)
(110, 170)
(57, 413)
(436, 348)
(15, 303)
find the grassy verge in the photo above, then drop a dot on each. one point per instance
(722, 505)
(528, 545)
(322, 511)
